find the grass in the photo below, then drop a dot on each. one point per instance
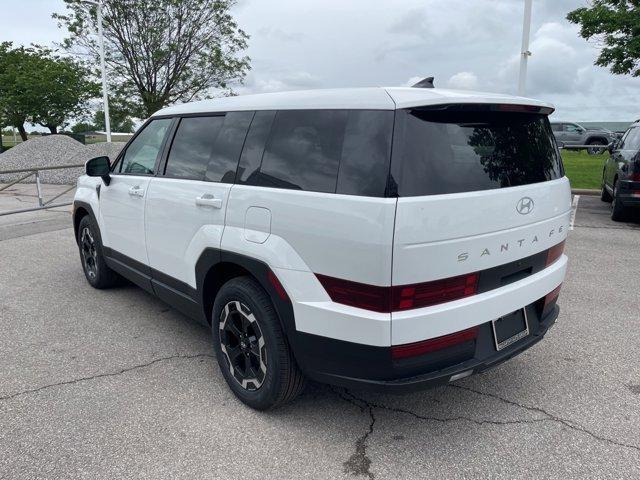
(583, 170)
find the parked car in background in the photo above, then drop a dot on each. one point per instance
(568, 134)
(621, 174)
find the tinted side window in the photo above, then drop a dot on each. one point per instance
(142, 153)
(366, 150)
(192, 146)
(556, 127)
(226, 151)
(304, 150)
(249, 167)
(631, 140)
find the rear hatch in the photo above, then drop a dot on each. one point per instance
(478, 186)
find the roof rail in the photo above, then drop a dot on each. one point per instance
(424, 83)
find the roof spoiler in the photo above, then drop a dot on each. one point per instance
(424, 83)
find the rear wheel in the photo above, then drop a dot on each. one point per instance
(251, 348)
(618, 211)
(594, 150)
(96, 271)
(605, 196)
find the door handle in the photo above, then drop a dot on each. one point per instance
(136, 191)
(208, 200)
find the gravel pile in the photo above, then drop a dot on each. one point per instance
(50, 151)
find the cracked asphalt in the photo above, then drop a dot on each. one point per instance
(114, 384)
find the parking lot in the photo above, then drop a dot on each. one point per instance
(106, 384)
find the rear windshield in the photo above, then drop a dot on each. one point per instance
(436, 152)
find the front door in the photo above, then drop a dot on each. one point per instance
(122, 202)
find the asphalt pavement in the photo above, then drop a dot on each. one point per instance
(115, 384)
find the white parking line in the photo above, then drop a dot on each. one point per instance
(574, 209)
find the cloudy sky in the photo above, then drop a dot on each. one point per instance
(468, 44)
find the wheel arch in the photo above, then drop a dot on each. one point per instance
(216, 267)
(81, 210)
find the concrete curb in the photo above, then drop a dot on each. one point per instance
(584, 191)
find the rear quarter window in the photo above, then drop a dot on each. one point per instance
(439, 151)
(332, 151)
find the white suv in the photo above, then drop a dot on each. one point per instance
(383, 238)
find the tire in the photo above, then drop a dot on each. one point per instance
(245, 329)
(596, 151)
(618, 211)
(605, 196)
(96, 271)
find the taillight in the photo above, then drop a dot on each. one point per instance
(361, 295)
(401, 297)
(426, 346)
(406, 297)
(635, 177)
(550, 300)
(554, 253)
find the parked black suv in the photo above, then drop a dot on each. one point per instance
(621, 174)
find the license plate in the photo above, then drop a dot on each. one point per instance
(509, 329)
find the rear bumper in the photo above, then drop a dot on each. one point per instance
(629, 193)
(330, 361)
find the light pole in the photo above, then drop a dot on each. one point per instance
(525, 53)
(105, 95)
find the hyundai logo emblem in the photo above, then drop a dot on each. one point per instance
(524, 206)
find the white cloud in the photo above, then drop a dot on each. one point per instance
(463, 81)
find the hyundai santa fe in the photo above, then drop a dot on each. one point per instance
(373, 238)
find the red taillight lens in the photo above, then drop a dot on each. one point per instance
(406, 297)
(361, 295)
(635, 177)
(554, 253)
(420, 348)
(402, 297)
(550, 299)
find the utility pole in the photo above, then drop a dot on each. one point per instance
(105, 95)
(525, 53)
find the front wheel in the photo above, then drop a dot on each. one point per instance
(96, 271)
(598, 147)
(251, 348)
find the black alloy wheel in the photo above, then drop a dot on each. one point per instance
(88, 252)
(243, 345)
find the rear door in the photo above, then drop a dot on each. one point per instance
(476, 189)
(122, 202)
(186, 203)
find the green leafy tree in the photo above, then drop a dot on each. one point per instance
(120, 109)
(17, 73)
(616, 24)
(82, 127)
(62, 91)
(159, 52)
(38, 86)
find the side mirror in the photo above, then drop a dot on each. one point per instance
(612, 146)
(99, 167)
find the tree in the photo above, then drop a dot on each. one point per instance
(39, 86)
(119, 115)
(62, 91)
(616, 23)
(16, 73)
(82, 127)
(160, 52)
